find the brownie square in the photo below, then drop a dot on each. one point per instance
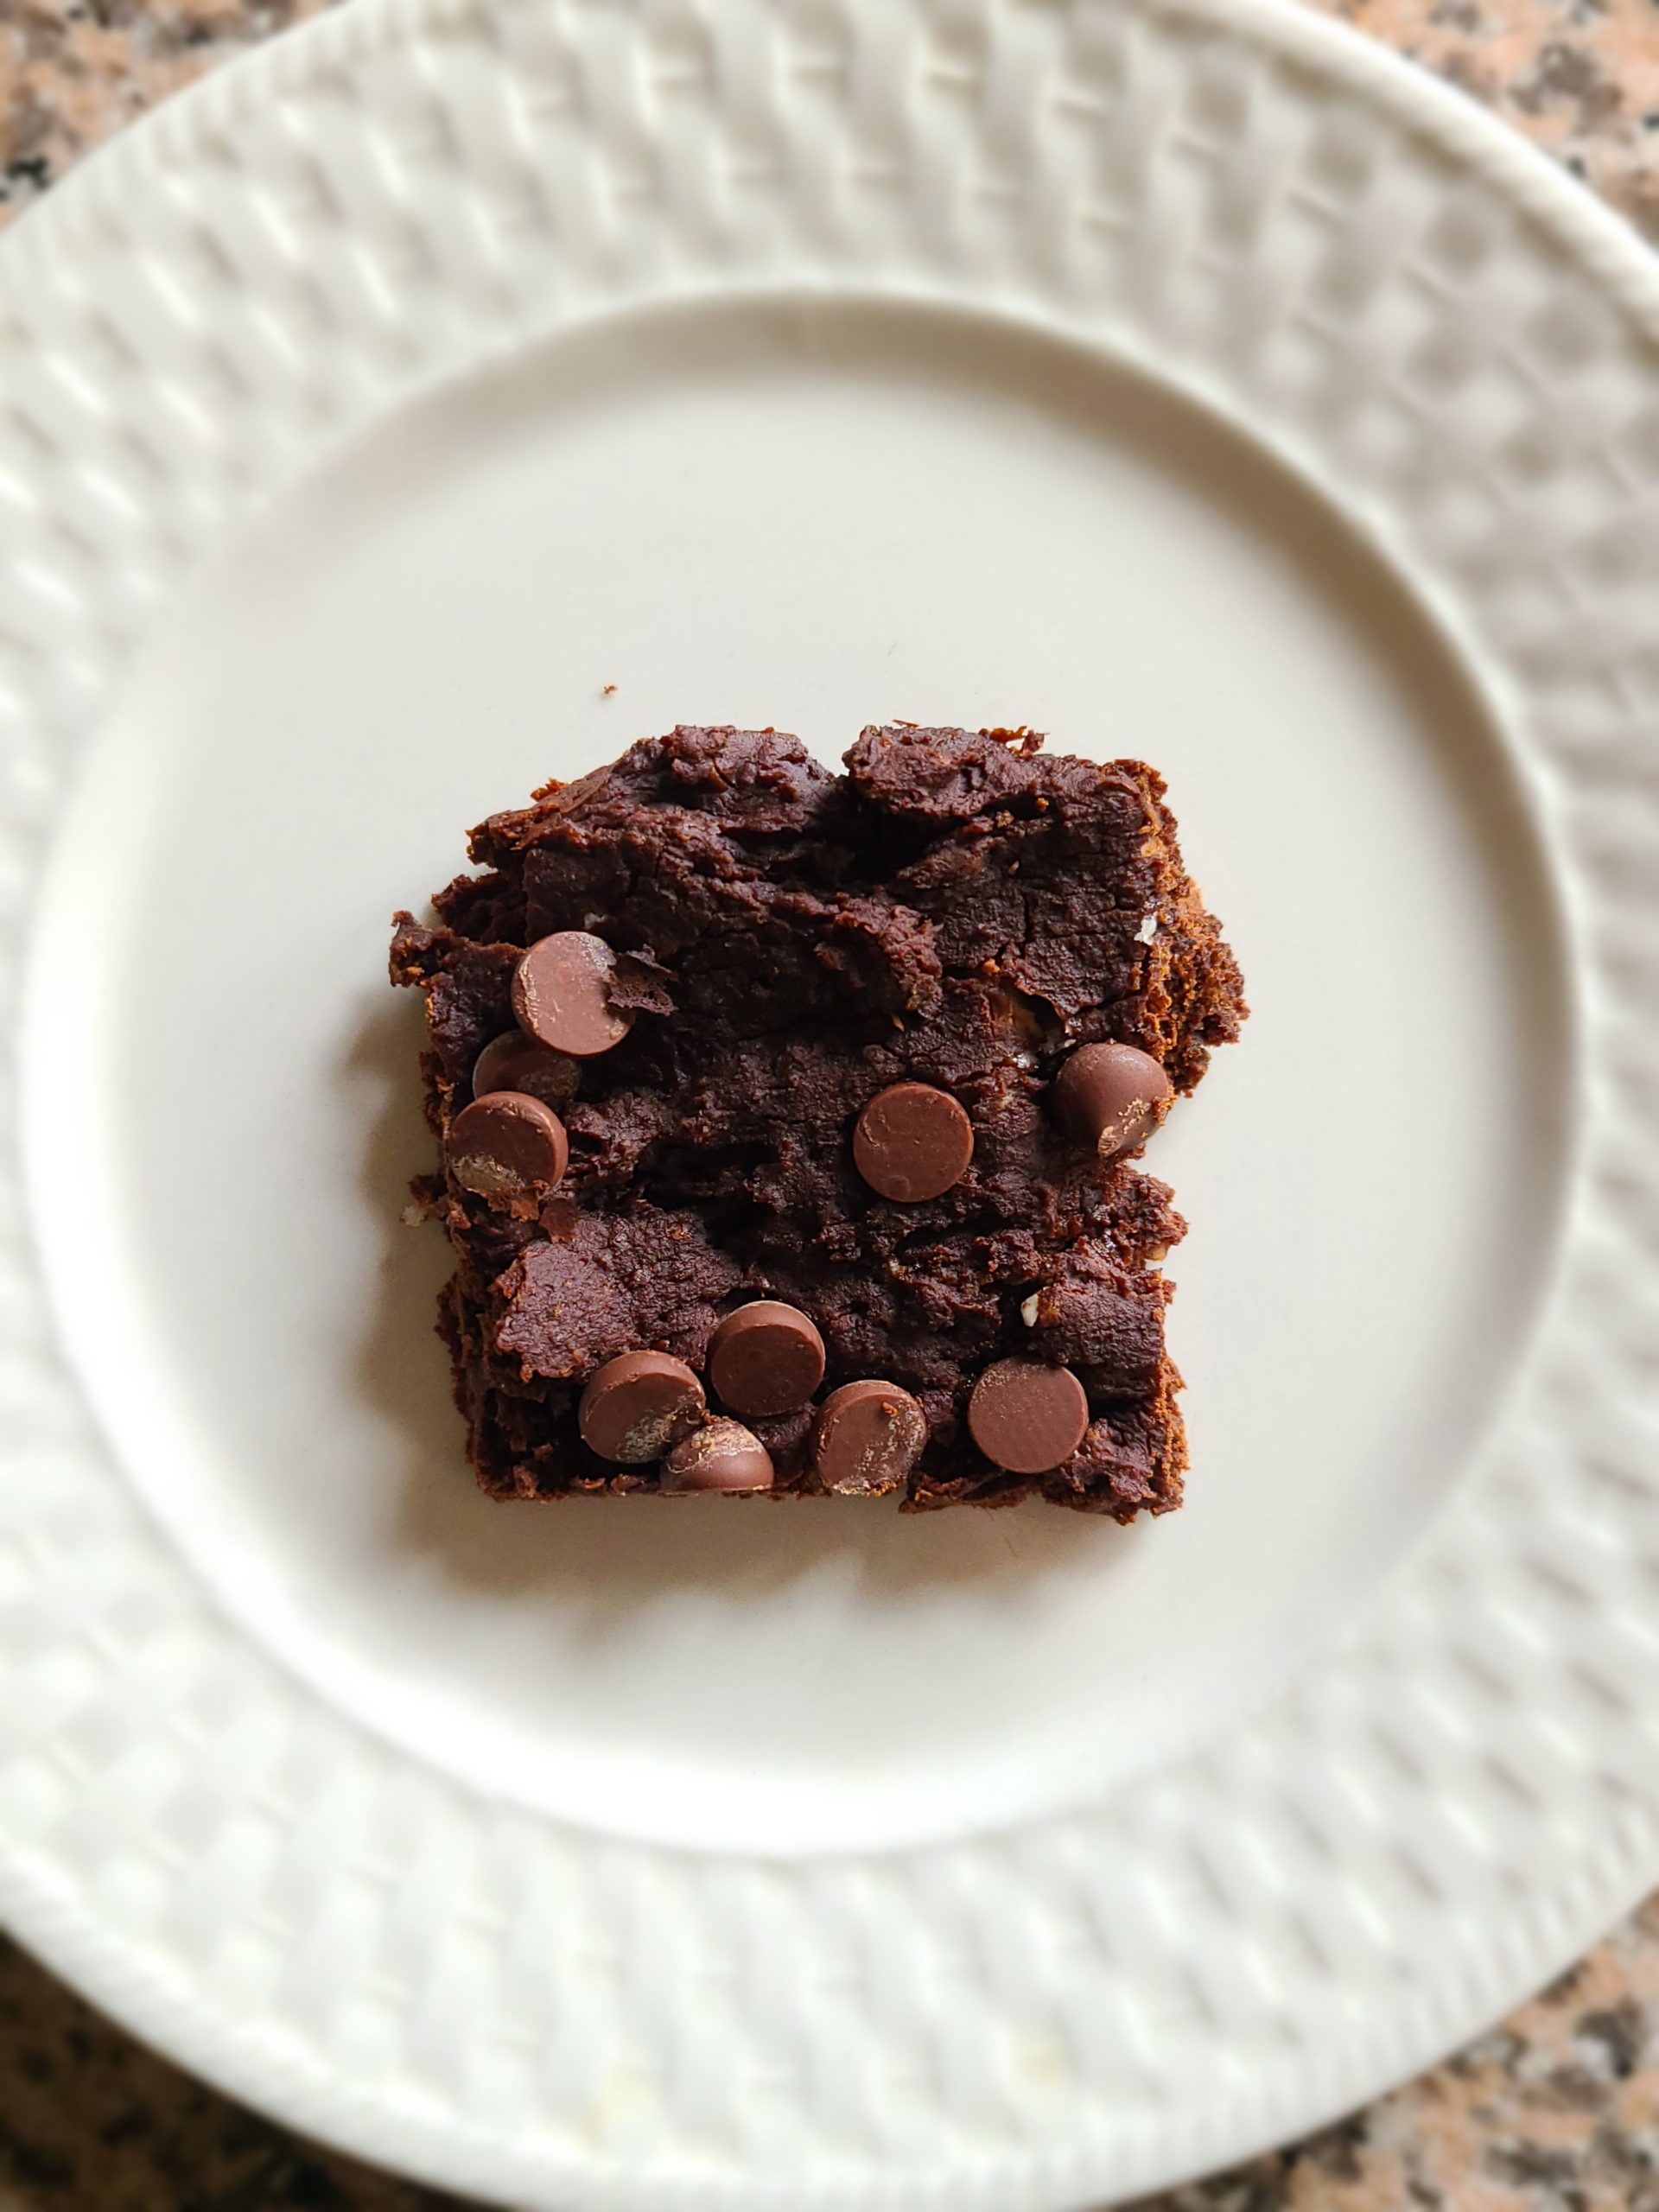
(958, 910)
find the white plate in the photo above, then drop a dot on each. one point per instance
(1196, 382)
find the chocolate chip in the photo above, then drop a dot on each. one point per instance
(765, 1358)
(562, 996)
(912, 1143)
(721, 1455)
(506, 1145)
(516, 1062)
(870, 1436)
(637, 1405)
(1111, 1096)
(1026, 1416)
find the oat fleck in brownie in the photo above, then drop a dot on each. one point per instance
(787, 1122)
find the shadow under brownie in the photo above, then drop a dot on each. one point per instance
(959, 914)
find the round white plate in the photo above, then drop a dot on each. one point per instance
(452, 393)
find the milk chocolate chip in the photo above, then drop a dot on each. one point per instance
(765, 1358)
(912, 1143)
(561, 994)
(721, 1455)
(1111, 1096)
(869, 1437)
(506, 1145)
(516, 1062)
(1026, 1416)
(637, 1405)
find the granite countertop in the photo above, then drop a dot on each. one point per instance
(1555, 2111)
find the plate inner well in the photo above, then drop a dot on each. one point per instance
(814, 517)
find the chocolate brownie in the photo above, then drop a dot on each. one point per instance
(787, 1116)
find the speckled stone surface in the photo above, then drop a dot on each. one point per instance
(1555, 2111)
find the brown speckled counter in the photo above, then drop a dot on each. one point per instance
(1556, 2111)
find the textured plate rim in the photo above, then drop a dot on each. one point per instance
(1603, 1881)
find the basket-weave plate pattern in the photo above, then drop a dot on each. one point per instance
(1462, 352)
